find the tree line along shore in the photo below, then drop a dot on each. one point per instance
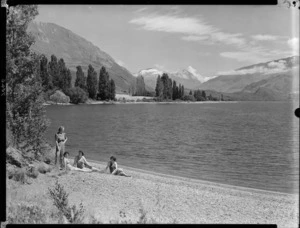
(56, 80)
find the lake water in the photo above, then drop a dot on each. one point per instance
(249, 144)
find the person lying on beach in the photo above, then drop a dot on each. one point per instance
(68, 166)
(113, 168)
(81, 162)
(60, 141)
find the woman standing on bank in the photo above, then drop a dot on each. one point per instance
(60, 140)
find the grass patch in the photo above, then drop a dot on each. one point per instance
(26, 213)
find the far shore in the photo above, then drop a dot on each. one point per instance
(128, 99)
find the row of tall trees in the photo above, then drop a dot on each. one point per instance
(166, 88)
(199, 95)
(55, 75)
(102, 89)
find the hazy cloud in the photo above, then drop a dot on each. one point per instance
(272, 67)
(243, 56)
(294, 45)
(173, 24)
(194, 38)
(264, 37)
(229, 38)
(195, 29)
(159, 67)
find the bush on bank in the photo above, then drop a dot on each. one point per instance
(77, 95)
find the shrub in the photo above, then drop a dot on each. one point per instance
(60, 200)
(48, 93)
(77, 95)
(59, 97)
(24, 213)
(19, 175)
(32, 172)
(189, 98)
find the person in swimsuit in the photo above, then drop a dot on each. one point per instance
(81, 162)
(113, 167)
(60, 140)
(68, 166)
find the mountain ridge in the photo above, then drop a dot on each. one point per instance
(51, 38)
(275, 76)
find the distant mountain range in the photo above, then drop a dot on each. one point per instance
(273, 80)
(75, 50)
(187, 77)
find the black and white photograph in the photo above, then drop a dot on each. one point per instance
(152, 114)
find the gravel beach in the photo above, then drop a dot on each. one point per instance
(165, 199)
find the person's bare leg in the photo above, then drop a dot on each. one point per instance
(56, 151)
(61, 157)
(124, 174)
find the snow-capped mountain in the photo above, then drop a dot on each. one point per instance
(187, 77)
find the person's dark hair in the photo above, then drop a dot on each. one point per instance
(113, 158)
(80, 151)
(66, 153)
(60, 129)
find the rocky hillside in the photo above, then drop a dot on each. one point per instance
(75, 50)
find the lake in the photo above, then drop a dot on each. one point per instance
(249, 144)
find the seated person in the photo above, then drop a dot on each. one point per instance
(113, 168)
(81, 162)
(68, 165)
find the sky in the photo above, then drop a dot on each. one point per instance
(210, 38)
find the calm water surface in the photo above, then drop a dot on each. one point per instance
(250, 144)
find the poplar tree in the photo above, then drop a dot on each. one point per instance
(103, 84)
(165, 81)
(63, 81)
(204, 94)
(174, 90)
(170, 89)
(140, 86)
(91, 82)
(44, 74)
(182, 91)
(80, 79)
(179, 91)
(54, 71)
(159, 87)
(112, 89)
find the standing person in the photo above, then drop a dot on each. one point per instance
(113, 168)
(60, 140)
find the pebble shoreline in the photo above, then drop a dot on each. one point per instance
(168, 199)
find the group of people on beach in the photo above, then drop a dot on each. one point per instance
(80, 163)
